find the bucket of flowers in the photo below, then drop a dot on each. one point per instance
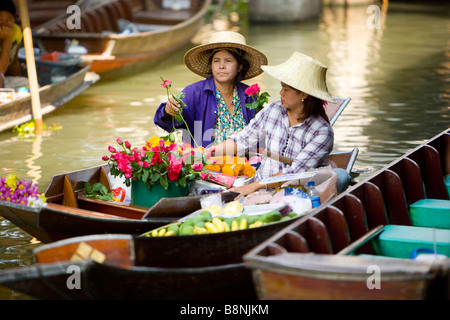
(159, 169)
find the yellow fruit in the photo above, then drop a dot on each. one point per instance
(155, 233)
(169, 233)
(234, 225)
(198, 230)
(214, 209)
(211, 227)
(162, 232)
(233, 208)
(225, 226)
(243, 225)
(218, 223)
(256, 224)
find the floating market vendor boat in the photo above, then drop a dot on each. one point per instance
(364, 243)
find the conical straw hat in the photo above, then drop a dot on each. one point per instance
(302, 73)
(197, 59)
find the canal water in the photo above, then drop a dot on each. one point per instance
(393, 61)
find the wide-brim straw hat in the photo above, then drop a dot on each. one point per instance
(197, 59)
(302, 73)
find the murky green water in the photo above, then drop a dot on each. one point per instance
(398, 77)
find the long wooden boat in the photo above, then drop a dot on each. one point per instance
(52, 96)
(43, 11)
(110, 50)
(336, 252)
(69, 213)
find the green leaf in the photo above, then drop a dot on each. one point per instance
(164, 182)
(145, 176)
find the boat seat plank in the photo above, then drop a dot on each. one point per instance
(355, 245)
(81, 212)
(112, 208)
(435, 178)
(336, 224)
(374, 206)
(395, 199)
(69, 199)
(162, 16)
(318, 238)
(276, 249)
(295, 242)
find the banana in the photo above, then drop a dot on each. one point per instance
(211, 227)
(256, 224)
(155, 233)
(226, 228)
(219, 225)
(243, 225)
(198, 230)
(169, 233)
(162, 232)
(234, 225)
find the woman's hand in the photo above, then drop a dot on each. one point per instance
(5, 32)
(246, 189)
(172, 107)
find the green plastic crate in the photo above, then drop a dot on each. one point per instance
(399, 241)
(432, 213)
(447, 184)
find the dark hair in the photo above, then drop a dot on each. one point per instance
(9, 6)
(313, 106)
(239, 56)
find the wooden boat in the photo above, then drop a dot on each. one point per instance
(52, 96)
(110, 51)
(69, 213)
(43, 11)
(333, 252)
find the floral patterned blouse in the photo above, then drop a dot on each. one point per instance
(226, 123)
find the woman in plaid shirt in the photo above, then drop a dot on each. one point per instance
(296, 127)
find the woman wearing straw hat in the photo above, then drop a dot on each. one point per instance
(10, 39)
(215, 107)
(296, 127)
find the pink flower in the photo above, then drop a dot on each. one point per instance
(197, 166)
(111, 149)
(119, 140)
(166, 83)
(172, 175)
(254, 89)
(176, 166)
(105, 158)
(127, 144)
(204, 175)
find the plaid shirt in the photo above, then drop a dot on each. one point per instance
(308, 143)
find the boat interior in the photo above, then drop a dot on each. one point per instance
(115, 16)
(354, 218)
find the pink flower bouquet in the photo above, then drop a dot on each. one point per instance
(157, 162)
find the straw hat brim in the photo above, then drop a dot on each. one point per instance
(304, 74)
(197, 59)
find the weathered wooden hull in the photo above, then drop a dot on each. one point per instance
(51, 97)
(111, 52)
(330, 254)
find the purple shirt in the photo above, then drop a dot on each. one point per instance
(308, 143)
(201, 111)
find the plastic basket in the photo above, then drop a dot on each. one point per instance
(49, 71)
